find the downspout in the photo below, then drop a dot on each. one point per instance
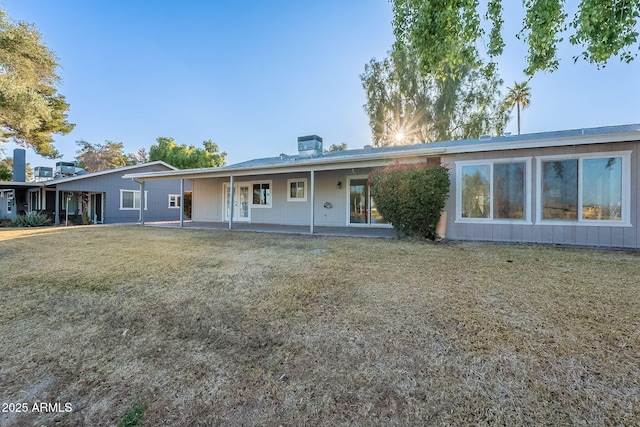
(142, 200)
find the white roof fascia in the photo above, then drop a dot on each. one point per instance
(547, 142)
(302, 165)
(376, 159)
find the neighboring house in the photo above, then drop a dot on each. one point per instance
(105, 196)
(575, 187)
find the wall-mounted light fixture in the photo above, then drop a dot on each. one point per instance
(339, 185)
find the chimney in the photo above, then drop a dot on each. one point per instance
(19, 165)
(310, 146)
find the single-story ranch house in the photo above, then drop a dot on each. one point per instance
(574, 187)
(105, 195)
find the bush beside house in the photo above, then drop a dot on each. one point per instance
(411, 196)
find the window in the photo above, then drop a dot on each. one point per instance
(174, 201)
(261, 194)
(587, 188)
(495, 190)
(297, 190)
(130, 200)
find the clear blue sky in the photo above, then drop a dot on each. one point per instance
(255, 75)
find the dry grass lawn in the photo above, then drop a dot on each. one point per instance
(209, 327)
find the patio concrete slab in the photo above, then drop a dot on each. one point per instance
(386, 233)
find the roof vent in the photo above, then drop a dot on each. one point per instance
(368, 147)
(283, 156)
(485, 137)
(506, 134)
(310, 146)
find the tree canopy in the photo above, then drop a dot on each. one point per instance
(99, 157)
(406, 106)
(31, 109)
(187, 157)
(445, 33)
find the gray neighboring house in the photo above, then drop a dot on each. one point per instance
(107, 197)
(573, 187)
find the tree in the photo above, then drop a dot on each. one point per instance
(140, 157)
(337, 147)
(6, 170)
(405, 106)
(187, 157)
(519, 95)
(31, 109)
(446, 33)
(99, 157)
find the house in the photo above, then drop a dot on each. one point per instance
(573, 187)
(104, 196)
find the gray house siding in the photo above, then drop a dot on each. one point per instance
(111, 184)
(570, 233)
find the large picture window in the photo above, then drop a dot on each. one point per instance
(496, 190)
(588, 188)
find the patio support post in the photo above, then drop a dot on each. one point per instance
(312, 201)
(57, 209)
(142, 202)
(231, 197)
(182, 202)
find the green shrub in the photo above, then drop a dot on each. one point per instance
(411, 196)
(31, 219)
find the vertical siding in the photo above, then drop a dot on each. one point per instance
(207, 200)
(110, 185)
(570, 234)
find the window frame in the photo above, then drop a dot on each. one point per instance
(146, 199)
(297, 181)
(266, 205)
(178, 201)
(625, 211)
(527, 220)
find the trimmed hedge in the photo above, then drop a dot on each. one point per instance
(411, 196)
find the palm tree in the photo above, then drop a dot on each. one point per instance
(519, 95)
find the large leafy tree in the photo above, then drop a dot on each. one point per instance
(446, 33)
(406, 106)
(31, 109)
(187, 157)
(99, 157)
(519, 96)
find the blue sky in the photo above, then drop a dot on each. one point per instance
(255, 75)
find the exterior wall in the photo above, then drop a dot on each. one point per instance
(110, 185)
(330, 201)
(570, 234)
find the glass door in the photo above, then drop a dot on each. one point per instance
(240, 203)
(362, 207)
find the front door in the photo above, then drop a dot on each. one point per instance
(241, 194)
(362, 208)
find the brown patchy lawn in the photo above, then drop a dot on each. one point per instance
(199, 327)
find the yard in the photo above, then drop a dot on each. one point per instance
(201, 327)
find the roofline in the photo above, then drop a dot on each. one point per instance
(373, 158)
(106, 172)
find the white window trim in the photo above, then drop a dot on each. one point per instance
(178, 201)
(296, 199)
(626, 189)
(484, 162)
(146, 198)
(260, 206)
